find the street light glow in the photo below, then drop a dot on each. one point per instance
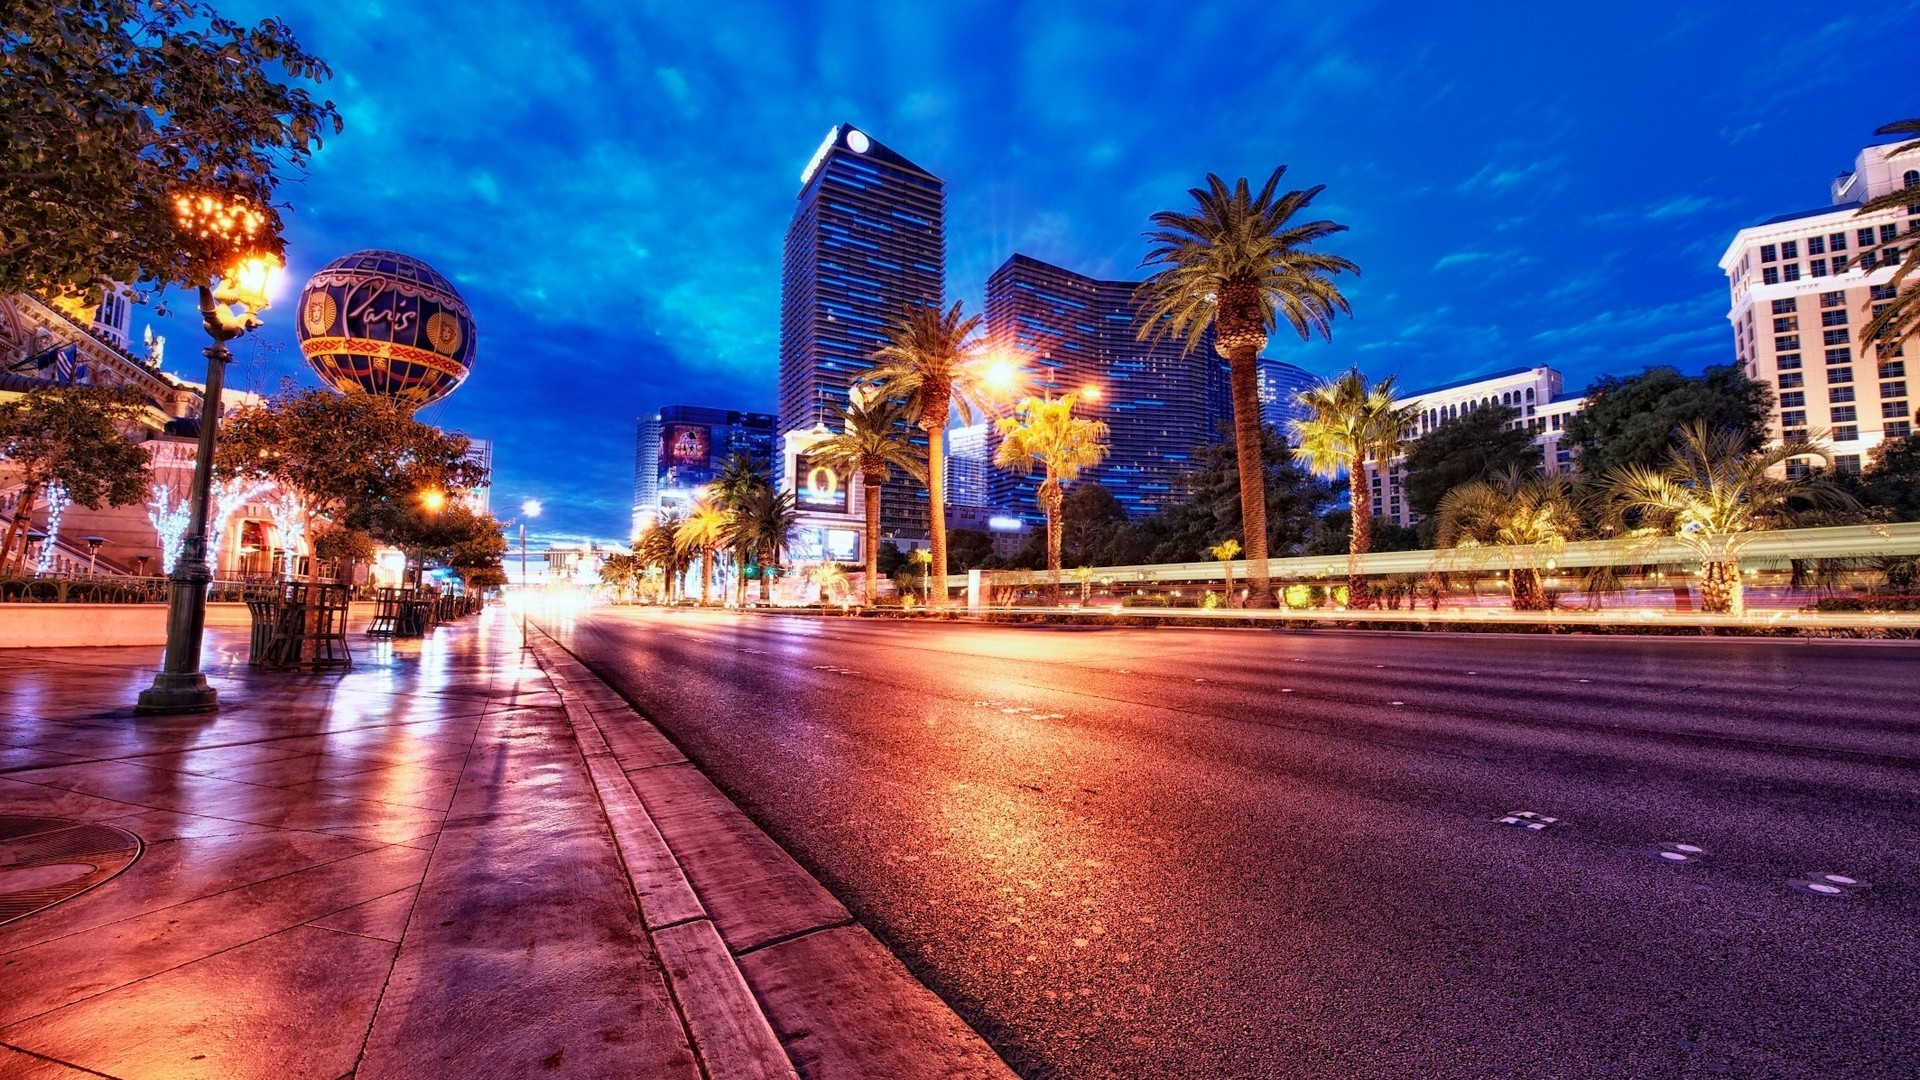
(531, 508)
(433, 499)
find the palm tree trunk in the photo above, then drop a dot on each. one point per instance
(766, 579)
(870, 494)
(1528, 595)
(706, 578)
(937, 514)
(1360, 534)
(1050, 498)
(1227, 566)
(740, 579)
(1245, 381)
(1720, 589)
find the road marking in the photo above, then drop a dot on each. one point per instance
(1834, 885)
(1526, 819)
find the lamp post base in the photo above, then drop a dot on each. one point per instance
(187, 692)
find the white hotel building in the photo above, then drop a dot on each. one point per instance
(1800, 292)
(1535, 393)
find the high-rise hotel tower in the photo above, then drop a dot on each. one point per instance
(867, 240)
(1803, 284)
(1071, 333)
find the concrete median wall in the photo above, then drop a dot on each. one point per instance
(46, 626)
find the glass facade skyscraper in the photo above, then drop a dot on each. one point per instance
(1281, 385)
(867, 241)
(681, 449)
(1072, 332)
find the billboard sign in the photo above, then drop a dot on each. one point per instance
(820, 487)
(686, 446)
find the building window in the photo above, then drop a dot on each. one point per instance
(1818, 268)
(1880, 292)
(1793, 399)
(1893, 410)
(1784, 307)
(1816, 245)
(1769, 253)
(1835, 337)
(1839, 375)
(1865, 236)
(1893, 369)
(1790, 249)
(1837, 241)
(1894, 389)
(1899, 430)
(1556, 422)
(1790, 380)
(1793, 272)
(1839, 264)
(1911, 178)
(1786, 323)
(1839, 394)
(1770, 275)
(1793, 419)
(1787, 361)
(1888, 233)
(1836, 317)
(1839, 356)
(1787, 342)
(1846, 433)
(1847, 463)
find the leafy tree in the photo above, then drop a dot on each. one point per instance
(1237, 265)
(75, 437)
(357, 459)
(656, 549)
(1891, 479)
(1044, 432)
(344, 548)
(1711, 493)
(1515, 507)
(1333, 535)
(620, 573)
(970, 549)
(930, 362)
(452, 536)
(1632, 421)
(1350, 422)
(873, 441)
(1900, 318)
(1089, 515)
(110, 108)
(1210, 511)
(1476, 445)
(742, 479)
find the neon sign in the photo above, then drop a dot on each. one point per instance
(820, 155)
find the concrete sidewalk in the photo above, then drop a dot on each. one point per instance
(449, 862)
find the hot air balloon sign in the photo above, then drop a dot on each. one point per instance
(384, 323)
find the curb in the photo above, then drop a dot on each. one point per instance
(773, 978)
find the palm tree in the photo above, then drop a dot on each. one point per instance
(1711, 494)
(930, 362)
(872, 442)
(1237, 265)
(656, 548)
(829, 576)
(742, 478)
(764, 525)
(1512, 508)
(1044, 432)
(699, 534)
(1349, 422)
(1226, 551)
(1900, 318)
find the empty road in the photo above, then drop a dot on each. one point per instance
(1188, 853)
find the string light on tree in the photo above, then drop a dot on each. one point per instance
(170, 522)
(57, 503)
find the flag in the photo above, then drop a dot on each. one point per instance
(66, 365)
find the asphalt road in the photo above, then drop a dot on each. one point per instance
(1182, 853)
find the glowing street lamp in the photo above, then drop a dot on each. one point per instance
(528, 509)
(228, 309)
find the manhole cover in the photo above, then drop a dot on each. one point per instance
(46, 860)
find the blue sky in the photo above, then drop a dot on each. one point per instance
(609, 183)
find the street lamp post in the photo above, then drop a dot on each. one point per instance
(93, 552)
(179, 686)
(528, 509)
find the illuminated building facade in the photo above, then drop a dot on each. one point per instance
(1802, 285)
(1071, 333)
(867, 240)
(682, 448)
(1280, 388)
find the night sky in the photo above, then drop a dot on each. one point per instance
(609, 184)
